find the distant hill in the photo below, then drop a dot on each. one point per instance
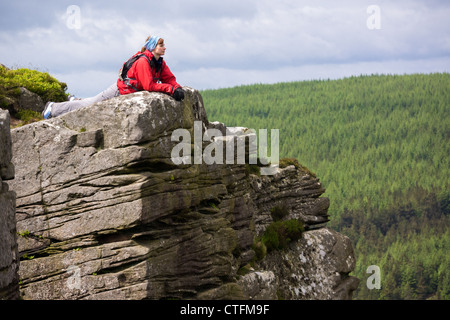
(380, 145)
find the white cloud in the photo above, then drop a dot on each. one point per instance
(80, 83)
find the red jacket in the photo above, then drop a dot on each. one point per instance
(144, 77)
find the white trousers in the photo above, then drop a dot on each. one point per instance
(59, 108)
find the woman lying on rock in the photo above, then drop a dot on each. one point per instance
(146, 70)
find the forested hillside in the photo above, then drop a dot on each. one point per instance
(380, 146)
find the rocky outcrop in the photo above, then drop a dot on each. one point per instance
(30, 100)
(9, 258)
(24, 92)
(22, 99)
(104, 212)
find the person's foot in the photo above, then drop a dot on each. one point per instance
(47, 113)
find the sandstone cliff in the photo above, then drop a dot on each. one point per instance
(104, 213)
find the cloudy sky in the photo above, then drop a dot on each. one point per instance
(216, 44)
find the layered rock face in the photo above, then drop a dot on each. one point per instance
(103, 212)
(9, 258)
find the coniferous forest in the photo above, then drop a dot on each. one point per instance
(380, 145)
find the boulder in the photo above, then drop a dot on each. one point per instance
(316, 267)
(30, 101)
(104, 212)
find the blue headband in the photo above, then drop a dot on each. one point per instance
(151, 43)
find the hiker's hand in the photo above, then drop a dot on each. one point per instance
(178, 94)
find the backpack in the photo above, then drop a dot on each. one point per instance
(126, 66)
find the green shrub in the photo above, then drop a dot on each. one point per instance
(41, 83)
(260, 249)
(27, 116)
(283, 163)
(279, 234)
(252, 169)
